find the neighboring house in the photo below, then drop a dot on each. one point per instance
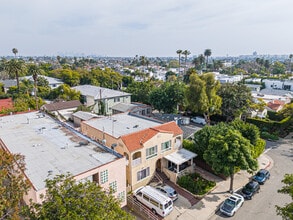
(134, 107)
(94, 96)
(275, 105)
(269, 98)
(147, 146)
(259, 113)
(254, 87)
(53, 82)
(80, 116)
(278, 84)
(228, 79)
(64, 108)
(6, 104)
(7, 84)
(51, 149)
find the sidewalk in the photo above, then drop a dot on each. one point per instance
(212, 201)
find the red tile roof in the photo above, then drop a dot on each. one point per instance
(276, 105)
(6, 103)
(135, 140)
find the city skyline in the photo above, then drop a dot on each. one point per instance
(150, 28)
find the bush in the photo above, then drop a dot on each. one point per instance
(195, 184)
(268, 136)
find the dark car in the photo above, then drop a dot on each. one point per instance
(261, 176)
(250, 189)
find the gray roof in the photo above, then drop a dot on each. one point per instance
(9, 82)
(50, 80)
(99, 92)
(279, 92)
(123, 107)
(85, 115)
(49, 147)
(121, 124)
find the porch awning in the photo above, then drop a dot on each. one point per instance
(180, 156)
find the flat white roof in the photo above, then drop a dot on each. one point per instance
(180, 156)
(121, 124)
(49, 147)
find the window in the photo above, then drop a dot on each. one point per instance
(113, 186)
(151, 152)
(143, 173)
(121, 196)
(117, 99)
(155, 203)
(166, 146)
(104, 176)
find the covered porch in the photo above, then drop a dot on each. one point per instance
(178, 164)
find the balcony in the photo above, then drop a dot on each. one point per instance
(136, 162)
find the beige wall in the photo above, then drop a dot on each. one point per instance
(131, 170)
(116, 172)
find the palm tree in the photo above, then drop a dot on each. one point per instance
(34, 70)
(179, 52)
(201, 59)
(207, 53)
(15, 51)
(13, 68)
(290, 57)
(185, 53)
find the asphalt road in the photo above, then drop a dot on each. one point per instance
(262, 206)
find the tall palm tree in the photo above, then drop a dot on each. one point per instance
(185, 53)
(34, 70)
(207, 53)
(179, 52)
(14, 68)
(15, 51)
(290, 57)
(201, 59)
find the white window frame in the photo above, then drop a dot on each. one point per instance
(151, 152)
(142, 174)
(113, 186)
(121, 196)
(163, 146)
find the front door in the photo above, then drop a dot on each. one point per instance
(158, 165)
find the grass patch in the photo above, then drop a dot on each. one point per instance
(195, 184)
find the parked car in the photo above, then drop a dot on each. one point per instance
(198, 120)
(232, 204)
(250, 189)
(167, 191)
(261, 176)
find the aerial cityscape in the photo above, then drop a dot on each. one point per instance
(173, 110)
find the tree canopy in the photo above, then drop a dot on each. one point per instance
(286, 211)
(13, 184)
(66, 198)
(229, 151)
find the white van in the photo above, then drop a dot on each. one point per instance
(156, 201)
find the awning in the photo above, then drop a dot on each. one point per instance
(180, 156)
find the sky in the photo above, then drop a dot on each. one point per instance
(152, 28)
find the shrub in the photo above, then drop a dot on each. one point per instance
(195, 184)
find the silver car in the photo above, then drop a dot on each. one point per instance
(232, 204)
(167, 191)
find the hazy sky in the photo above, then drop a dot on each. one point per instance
(145, 27)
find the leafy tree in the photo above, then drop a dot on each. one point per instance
(235, 99)
(169, 73)
(66, 198)
(286, 212)
(167, 97)
(13, 184)
(15, 68)
(140, 91)
(287, 111)
(201, 95)
(64, 92)
(226, 153)
(278, 68)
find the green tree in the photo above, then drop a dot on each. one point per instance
(201, 95)
(13, 184)
(34, 70)
(64, 92)
(15, 68)
(179, 52)
(207, 53)
(140, 91)
(290, 61)
(66, 198)
(278, 68)
(14, 51)
(185, 53)
(286, 212)
(235, 99)
(228, 152)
